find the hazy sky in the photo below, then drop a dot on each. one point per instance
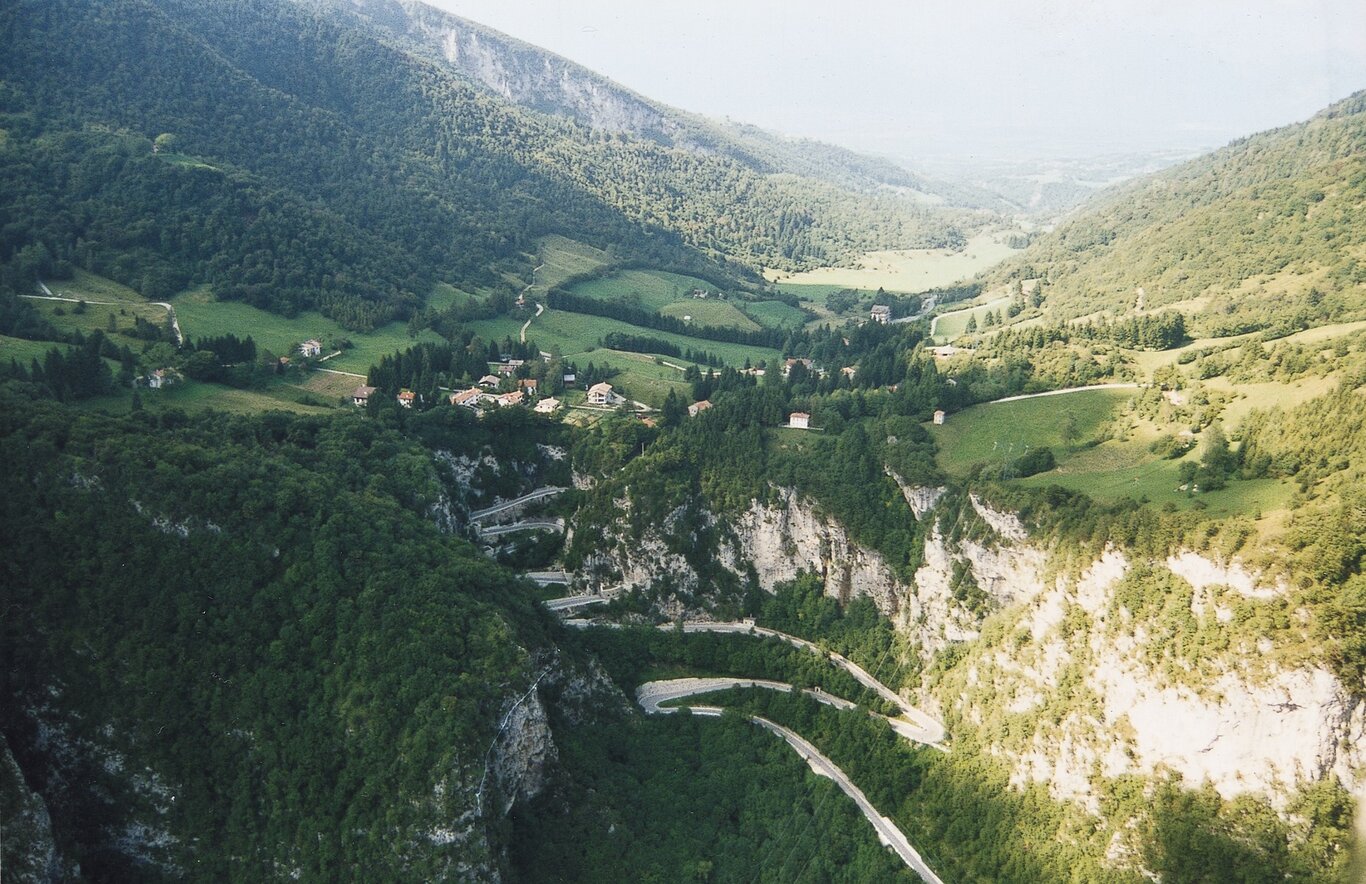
(994, 78)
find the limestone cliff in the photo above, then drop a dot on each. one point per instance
(28, 851)
(1072, 675)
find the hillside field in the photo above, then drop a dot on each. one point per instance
(907, 271)
(948, 326)
(202, 315)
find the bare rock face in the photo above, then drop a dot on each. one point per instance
(791, 534)
(1075, 688)
(28, 851)
(522, 754)
(1059, 678)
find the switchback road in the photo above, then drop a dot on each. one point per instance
(887, 831)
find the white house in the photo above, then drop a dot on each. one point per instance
(162, 377)
(881, 313)
(547, 406)
(939, 417)
(698, 407)
(311, 348)
(799, 420)
(468, 398)
(361, 395)
(603, 394)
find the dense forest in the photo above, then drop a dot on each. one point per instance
(250, 615)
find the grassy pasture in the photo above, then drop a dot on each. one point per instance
(562, 258)
(906, 270)
(776, 314)
(446, 295)
(1114, 471)
(652, 289)
(996, 432)
(576, 336)
(948, 326)
(24, 351)
(202, 315)
(200, 397)
(719, 314)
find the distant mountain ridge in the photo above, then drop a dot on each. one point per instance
(535, 78)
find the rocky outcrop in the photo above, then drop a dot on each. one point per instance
(1073, 688)
(28, 852)
(1056, 675)
(790, 534)
(532, 77)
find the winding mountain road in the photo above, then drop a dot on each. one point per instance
(547, 491)
(913, 723)
(526, 525)
(650, 695)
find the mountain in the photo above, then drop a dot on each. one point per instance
(168, 144)
(1262, 234)
(1049, 188)
(534, 78)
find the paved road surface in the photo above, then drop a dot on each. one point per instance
(548, 491)
(528, 525)
(569, 603)
(651, 694)
(887, 831)
(915, 724)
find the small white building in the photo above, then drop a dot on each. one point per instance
(603, 394)
(799, 420)
(469, 398)
(698, 407)
(162, 377)
(547, 406)
(881, 313)
(311, 348)
(939, 417)
(361, 395)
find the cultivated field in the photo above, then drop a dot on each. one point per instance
(906, 271)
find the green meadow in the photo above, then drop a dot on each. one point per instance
(997, 432)
(718, 314)
(775, 314)
(576, 336)
(948, 326)
(906, 271)
(562, 258)
(202, 315)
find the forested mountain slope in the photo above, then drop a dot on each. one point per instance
(309, 160)
(1263, 233)
(540, 80)
(239, 649)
